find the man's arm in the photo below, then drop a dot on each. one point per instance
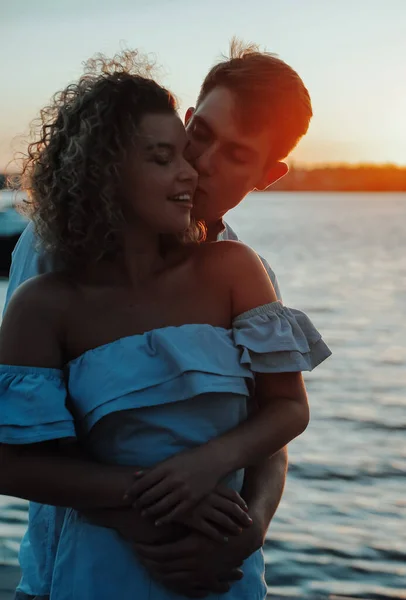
(46, 475)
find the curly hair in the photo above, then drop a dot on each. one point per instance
(72, 170)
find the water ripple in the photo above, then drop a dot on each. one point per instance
(340, 530)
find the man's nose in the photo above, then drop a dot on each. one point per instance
(205, 163)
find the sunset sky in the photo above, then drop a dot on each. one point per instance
(351, 55)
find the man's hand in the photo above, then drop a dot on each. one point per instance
(196, 566)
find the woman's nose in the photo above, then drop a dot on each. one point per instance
(189, 173)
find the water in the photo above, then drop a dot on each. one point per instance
(11, 222)
(340, 529)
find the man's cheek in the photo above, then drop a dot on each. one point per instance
(237, 187)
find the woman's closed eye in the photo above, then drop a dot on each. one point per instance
(161, 153)
(163, 159)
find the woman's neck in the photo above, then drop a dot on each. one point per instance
(142, 256)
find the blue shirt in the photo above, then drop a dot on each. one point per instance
(29, 260)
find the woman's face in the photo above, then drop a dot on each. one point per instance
(161, 183)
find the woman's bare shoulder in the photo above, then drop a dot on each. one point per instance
(51, 291)
(32, 327)
(240, 269)
(227, 256)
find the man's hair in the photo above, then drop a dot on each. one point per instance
(269, 94)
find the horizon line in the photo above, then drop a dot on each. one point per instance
(305, 165)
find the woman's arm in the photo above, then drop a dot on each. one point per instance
(30, 336)
(283, 415)
(263, 488)
(179, 483)
(281, 397)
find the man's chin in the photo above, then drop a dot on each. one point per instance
(208, 219)
(198, 215)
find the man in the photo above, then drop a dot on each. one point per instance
(251, 111)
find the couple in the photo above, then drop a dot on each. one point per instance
(150, 371)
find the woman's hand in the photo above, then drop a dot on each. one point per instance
(177, 485)
(220, 514)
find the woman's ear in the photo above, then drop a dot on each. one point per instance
(276, 171)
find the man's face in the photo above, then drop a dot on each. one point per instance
(230, 163)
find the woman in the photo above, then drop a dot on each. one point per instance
(147, 345)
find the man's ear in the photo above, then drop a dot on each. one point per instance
(189, 115)
(277, 171)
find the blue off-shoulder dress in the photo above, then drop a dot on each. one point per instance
(151, 395)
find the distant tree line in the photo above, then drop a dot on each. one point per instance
(345, 178)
